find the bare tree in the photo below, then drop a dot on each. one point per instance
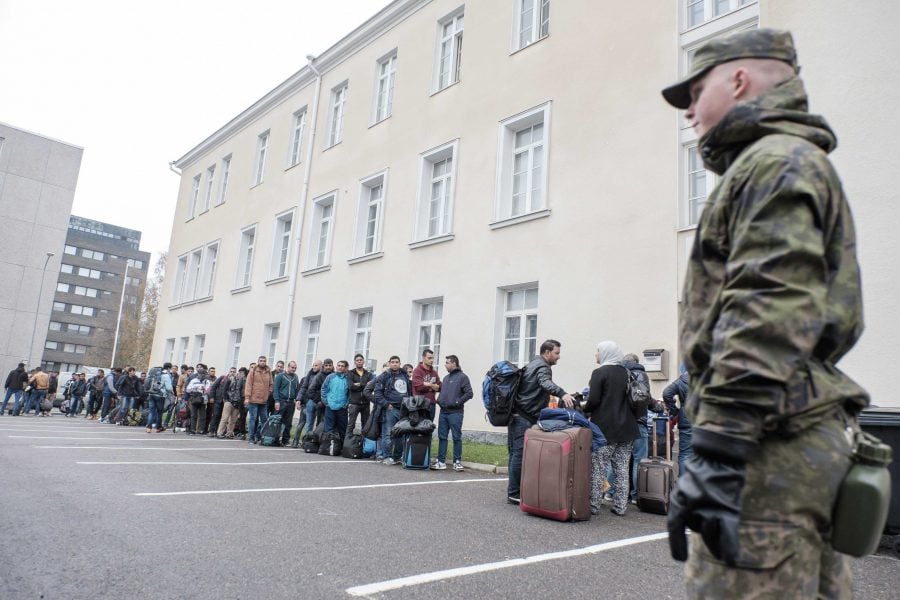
(139, 321)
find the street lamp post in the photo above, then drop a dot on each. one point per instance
(112, 359)
(37, 309)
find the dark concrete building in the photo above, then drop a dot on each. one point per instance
(92, 286)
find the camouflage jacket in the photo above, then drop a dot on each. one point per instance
(772, 294)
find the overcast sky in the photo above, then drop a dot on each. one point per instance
(137, 85)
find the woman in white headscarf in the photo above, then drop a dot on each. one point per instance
(608, 405)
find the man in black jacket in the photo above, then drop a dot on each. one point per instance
(15, 383)
(535, 387)
(359, 404)
(129, 389)
(314, 394)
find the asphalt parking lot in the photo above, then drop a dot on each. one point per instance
(96, 511)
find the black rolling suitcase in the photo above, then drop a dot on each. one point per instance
(656, 474)
(416, 451)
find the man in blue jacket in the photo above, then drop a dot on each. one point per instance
(390, 388)
(336, 396)
(456, 390)
(284, 391)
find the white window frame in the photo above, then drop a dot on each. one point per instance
(369, 226)
(527, 345)
(426, 209)
(709, 10)
(199, 347)
(262, 148)
(70, 250)
(223, 187)
(208, 273)
(385, 76)
(336, 113)
(692, 201)
(208, 194)
(243, 276)
(361, 331)
(428, 316)
(195, 194)
(169, 350)
(295, 150)
(321, 224)
(506, 154)
(283, 234)
(195, 264)
(312, 327)
(448, 49)
(271, 332)
(235, 337)
(535, 19)
(179, 291)
(183, 349)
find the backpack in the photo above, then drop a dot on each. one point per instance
(153, 385)
(271, 431)
(331, 444)
(353, 447)
(499, 391)
(638, 389)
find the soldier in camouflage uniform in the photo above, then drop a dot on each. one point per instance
(771, 303)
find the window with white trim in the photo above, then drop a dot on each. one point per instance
(245, 257)
(169, 351)
(295, 152)
(362, 331)
(195, 194)
(698, 12)
(262, 147)
(270, 341)
(199, 343)
(370, 215)
(320, 232)
(62, 287)
(70, 250)
(449, 49)
(430, 317)
(208, 194)
(234, 347)
(195, 263)
(384, 86)
(532, 20)
(437, 176)
(183, 349)
(336, 114)
(311, 327)
(698, 183)
(195, 274)
(522, 168)
(208, 274)
(281, 247)
(520, 316)
(68, 269)
(179, 292)
(223, 187)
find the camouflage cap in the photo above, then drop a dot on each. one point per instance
(754, 43)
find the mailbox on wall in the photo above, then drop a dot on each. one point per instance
(656, 363)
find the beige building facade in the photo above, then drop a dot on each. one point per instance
(477, 177)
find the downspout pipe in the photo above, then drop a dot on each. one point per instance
(304, 195)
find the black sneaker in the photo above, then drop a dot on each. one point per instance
(513, 499)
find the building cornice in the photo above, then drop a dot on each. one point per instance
(350, 44)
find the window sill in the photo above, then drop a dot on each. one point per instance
(337, 143)
(686, 228)
(189, 219)
(296, 164)
(275, 280)
(315, 270)
(364, 258)
(190, 302)
(538, 214)
(219, 203)
(240, 290)
(529, 45)
(257, 184)
(203, 212)
(380, 121)
(446, 87)
(447, 237)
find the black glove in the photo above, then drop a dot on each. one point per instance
(707, 498)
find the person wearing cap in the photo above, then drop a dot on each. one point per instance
(771, 303)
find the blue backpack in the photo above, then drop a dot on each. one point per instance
(498, 392)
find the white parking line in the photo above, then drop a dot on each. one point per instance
(106, 439)
(413, 580)
(320, 489)
(274, 462)
(131, 448)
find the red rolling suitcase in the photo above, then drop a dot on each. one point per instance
(656, 475)
(556, 474)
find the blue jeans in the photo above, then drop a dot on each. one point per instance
(34, 399)
(336, 420)
(685, 434)
(74, 406)
(154, 406)
(124, 406)
(515, 443)
(104, 408)
(255, 412)
(392, 448)
(450, 422)
(16, 402)
(310, 416)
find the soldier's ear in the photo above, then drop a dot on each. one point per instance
(740, 83)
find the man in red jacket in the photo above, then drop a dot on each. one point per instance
(426, 381)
